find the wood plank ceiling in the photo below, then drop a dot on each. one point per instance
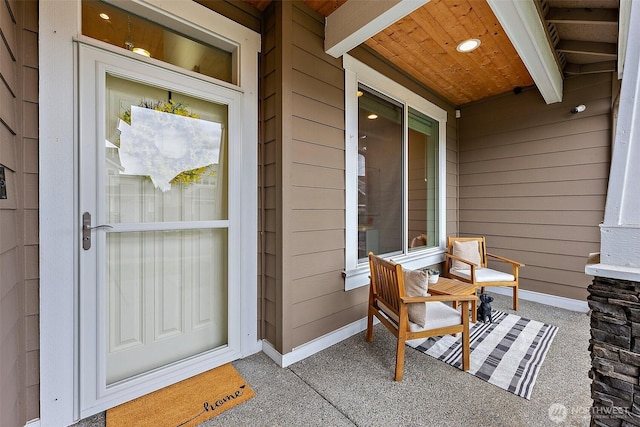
(583, 34)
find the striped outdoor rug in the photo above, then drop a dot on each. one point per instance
(507, 353)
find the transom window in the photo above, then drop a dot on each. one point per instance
(118, 27)
(394, 174)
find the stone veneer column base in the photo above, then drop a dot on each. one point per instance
(615, 352)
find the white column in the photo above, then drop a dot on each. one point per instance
(620, 231)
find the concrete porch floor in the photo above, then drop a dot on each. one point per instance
(351, 384)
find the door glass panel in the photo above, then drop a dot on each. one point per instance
(166, 290)
(166, 298)
(166, 155)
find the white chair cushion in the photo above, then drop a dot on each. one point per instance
(439, 315)
(485, 275)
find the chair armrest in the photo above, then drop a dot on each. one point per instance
(503, 259)
(440, 298)
(472, 264)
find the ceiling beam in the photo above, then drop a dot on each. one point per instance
(583, 16)
(523, 25)
(623, 31)
(356, 21)
(596, 67)
(588, 48)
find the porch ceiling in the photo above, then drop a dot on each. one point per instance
(575, 37)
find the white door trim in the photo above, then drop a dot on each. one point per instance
(59, 220)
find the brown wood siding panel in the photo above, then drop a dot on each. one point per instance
(586, 218)
(8, 71)
(312, 65)
(559, 144)
(309, 175)
(311, 288)
(533, 180)
(8, 29)
(269, 180)
(308, 265)
(311, 242)
(313, 110)
(8, 155)
(318, 133)
(240, 12)
(544, 174)
(324, 306)
(580, 157)
(316, 198)
(576, 126)
(8, 108)
(310, 331)
(320, 219)
(319, 90)
(307, 155)
(538, 203)
(549, 189)
(19, 237)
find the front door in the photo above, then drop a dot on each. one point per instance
(157, 243)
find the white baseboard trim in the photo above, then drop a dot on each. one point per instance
(33, 423)
(305, 350)
(547, 299)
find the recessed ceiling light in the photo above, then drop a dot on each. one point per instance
(104, 16)
(372, 116)
(141, 51)
(468, 45)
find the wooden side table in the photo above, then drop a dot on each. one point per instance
(446, 286)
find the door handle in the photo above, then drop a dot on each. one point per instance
(86, 230)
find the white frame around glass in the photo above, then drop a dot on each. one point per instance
(356, 274)
(95, 64)
(58, 183)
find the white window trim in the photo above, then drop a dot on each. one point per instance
(357, 274)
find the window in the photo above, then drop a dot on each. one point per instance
(394, 174)
(127, 30)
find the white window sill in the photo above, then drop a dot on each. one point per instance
(359, 276)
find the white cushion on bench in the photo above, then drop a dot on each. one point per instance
(485, 275)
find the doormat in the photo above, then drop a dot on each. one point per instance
(184, 404)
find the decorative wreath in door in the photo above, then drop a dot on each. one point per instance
(186, 177)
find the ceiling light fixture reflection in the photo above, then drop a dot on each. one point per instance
(104, 16)
(141, 51)
(468, 45)
(372, 116)
(359, 93)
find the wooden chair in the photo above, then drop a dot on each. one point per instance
(473, 268)
(418, 241)
(388, 302)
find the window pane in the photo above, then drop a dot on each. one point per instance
(423, 181)
(379, 174)
(118, 27)
(165, 158)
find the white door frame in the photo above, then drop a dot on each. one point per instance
(58, 186)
